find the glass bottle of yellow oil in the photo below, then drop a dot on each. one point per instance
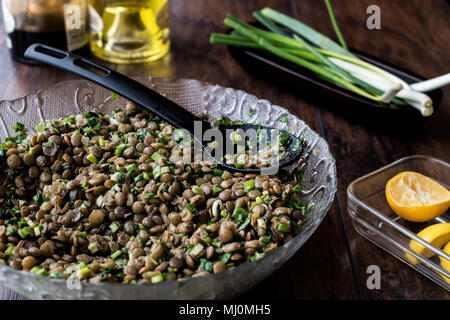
(129, 31)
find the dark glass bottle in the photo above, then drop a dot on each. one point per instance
(58, 23)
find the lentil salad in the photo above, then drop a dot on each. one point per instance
(97, 197)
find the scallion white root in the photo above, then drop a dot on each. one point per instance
(432, 84)
(416, 99)
(391, 92)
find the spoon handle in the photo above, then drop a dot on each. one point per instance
(116, 82)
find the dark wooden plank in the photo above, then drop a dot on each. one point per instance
(413, 35)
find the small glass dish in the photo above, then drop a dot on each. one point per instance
(375, 220)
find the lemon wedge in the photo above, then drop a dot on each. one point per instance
(415, 197)
(437, 235)
(444, 262)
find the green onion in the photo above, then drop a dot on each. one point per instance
(197, 190)
(206, 265)
(283, 227)
(225, 257)
(196, 249)
(267, 23)
(342, 72)
(191, 207)
(114, 96)
(156, 172)
(239, 165)
(119, 149)
(217, 172)
(40, 271)
(130, 168)
(335, 25)
(149, 195)
(22, 223)
(216, 190)
(102, 142)
(157, 278)
(10, 230)
(266, 239)
(56, 274)
(245, 224)
(82, 234)
(47, 144)
(37, 230)
(9, 250)
(116, 254)
(257, 201)
(156, 156)
(207, 240)
(138, 178)
(303, 30)
(93, 247)
(237, 211)
(256, 256)
(121, 177)
(239, 214)
(91, 158)
(114, 227)
(24, 232)
(249, 185)
(282, 119)
(326, 58)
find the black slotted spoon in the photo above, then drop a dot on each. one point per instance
(156, 103)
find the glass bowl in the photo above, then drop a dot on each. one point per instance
(375, 220)
(72, 97)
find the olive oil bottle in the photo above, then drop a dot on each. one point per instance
(129, 31)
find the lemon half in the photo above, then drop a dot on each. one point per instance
(415, 197)
(444, 262)
(437, 235)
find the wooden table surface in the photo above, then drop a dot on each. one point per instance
(414, 35)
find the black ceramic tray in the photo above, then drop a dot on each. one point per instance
(288, 76)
